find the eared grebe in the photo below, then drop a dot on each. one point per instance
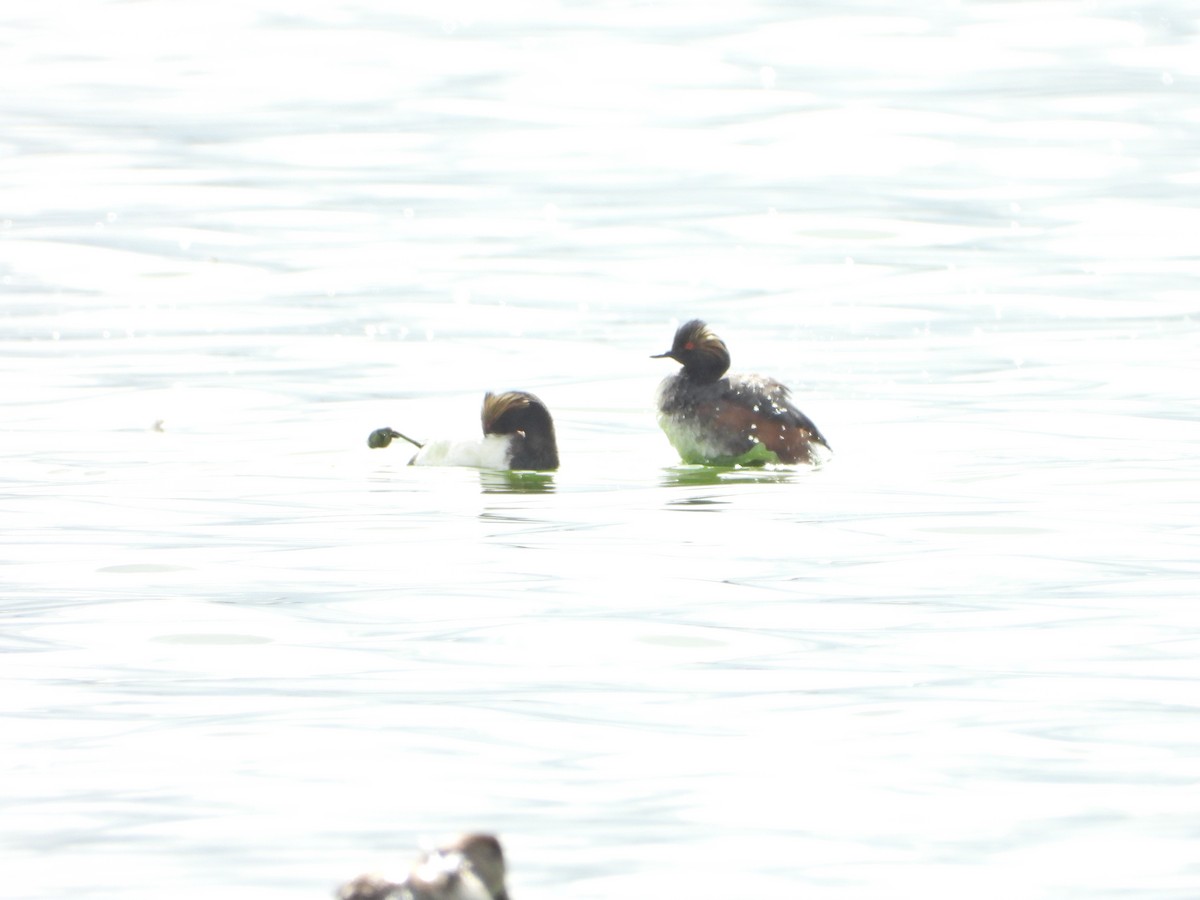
(469, 868)
(715, 419)
(518, 433)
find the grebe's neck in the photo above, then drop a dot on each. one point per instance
(534, 446)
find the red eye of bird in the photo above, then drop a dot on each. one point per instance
(689, 346)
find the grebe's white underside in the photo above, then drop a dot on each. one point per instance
(692, 439)
(492, 451)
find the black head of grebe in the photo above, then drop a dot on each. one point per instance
(526, 419)
(702, 354)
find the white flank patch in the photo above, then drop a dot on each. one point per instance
(488, 452)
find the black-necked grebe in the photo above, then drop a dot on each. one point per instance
(518, 433)
(469, 868)
(715, 419)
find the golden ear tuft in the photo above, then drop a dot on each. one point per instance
(495, 406)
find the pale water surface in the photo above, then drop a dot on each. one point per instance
(244, 656)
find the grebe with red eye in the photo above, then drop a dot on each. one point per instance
(518, 433)
(715, 419)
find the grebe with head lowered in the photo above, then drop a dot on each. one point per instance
(715, 419)
(469, 868)
(518, 433)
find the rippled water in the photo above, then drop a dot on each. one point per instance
(245, 655)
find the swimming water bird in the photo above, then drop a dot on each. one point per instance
(518, 433)
(469, 868)
(715, 419)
